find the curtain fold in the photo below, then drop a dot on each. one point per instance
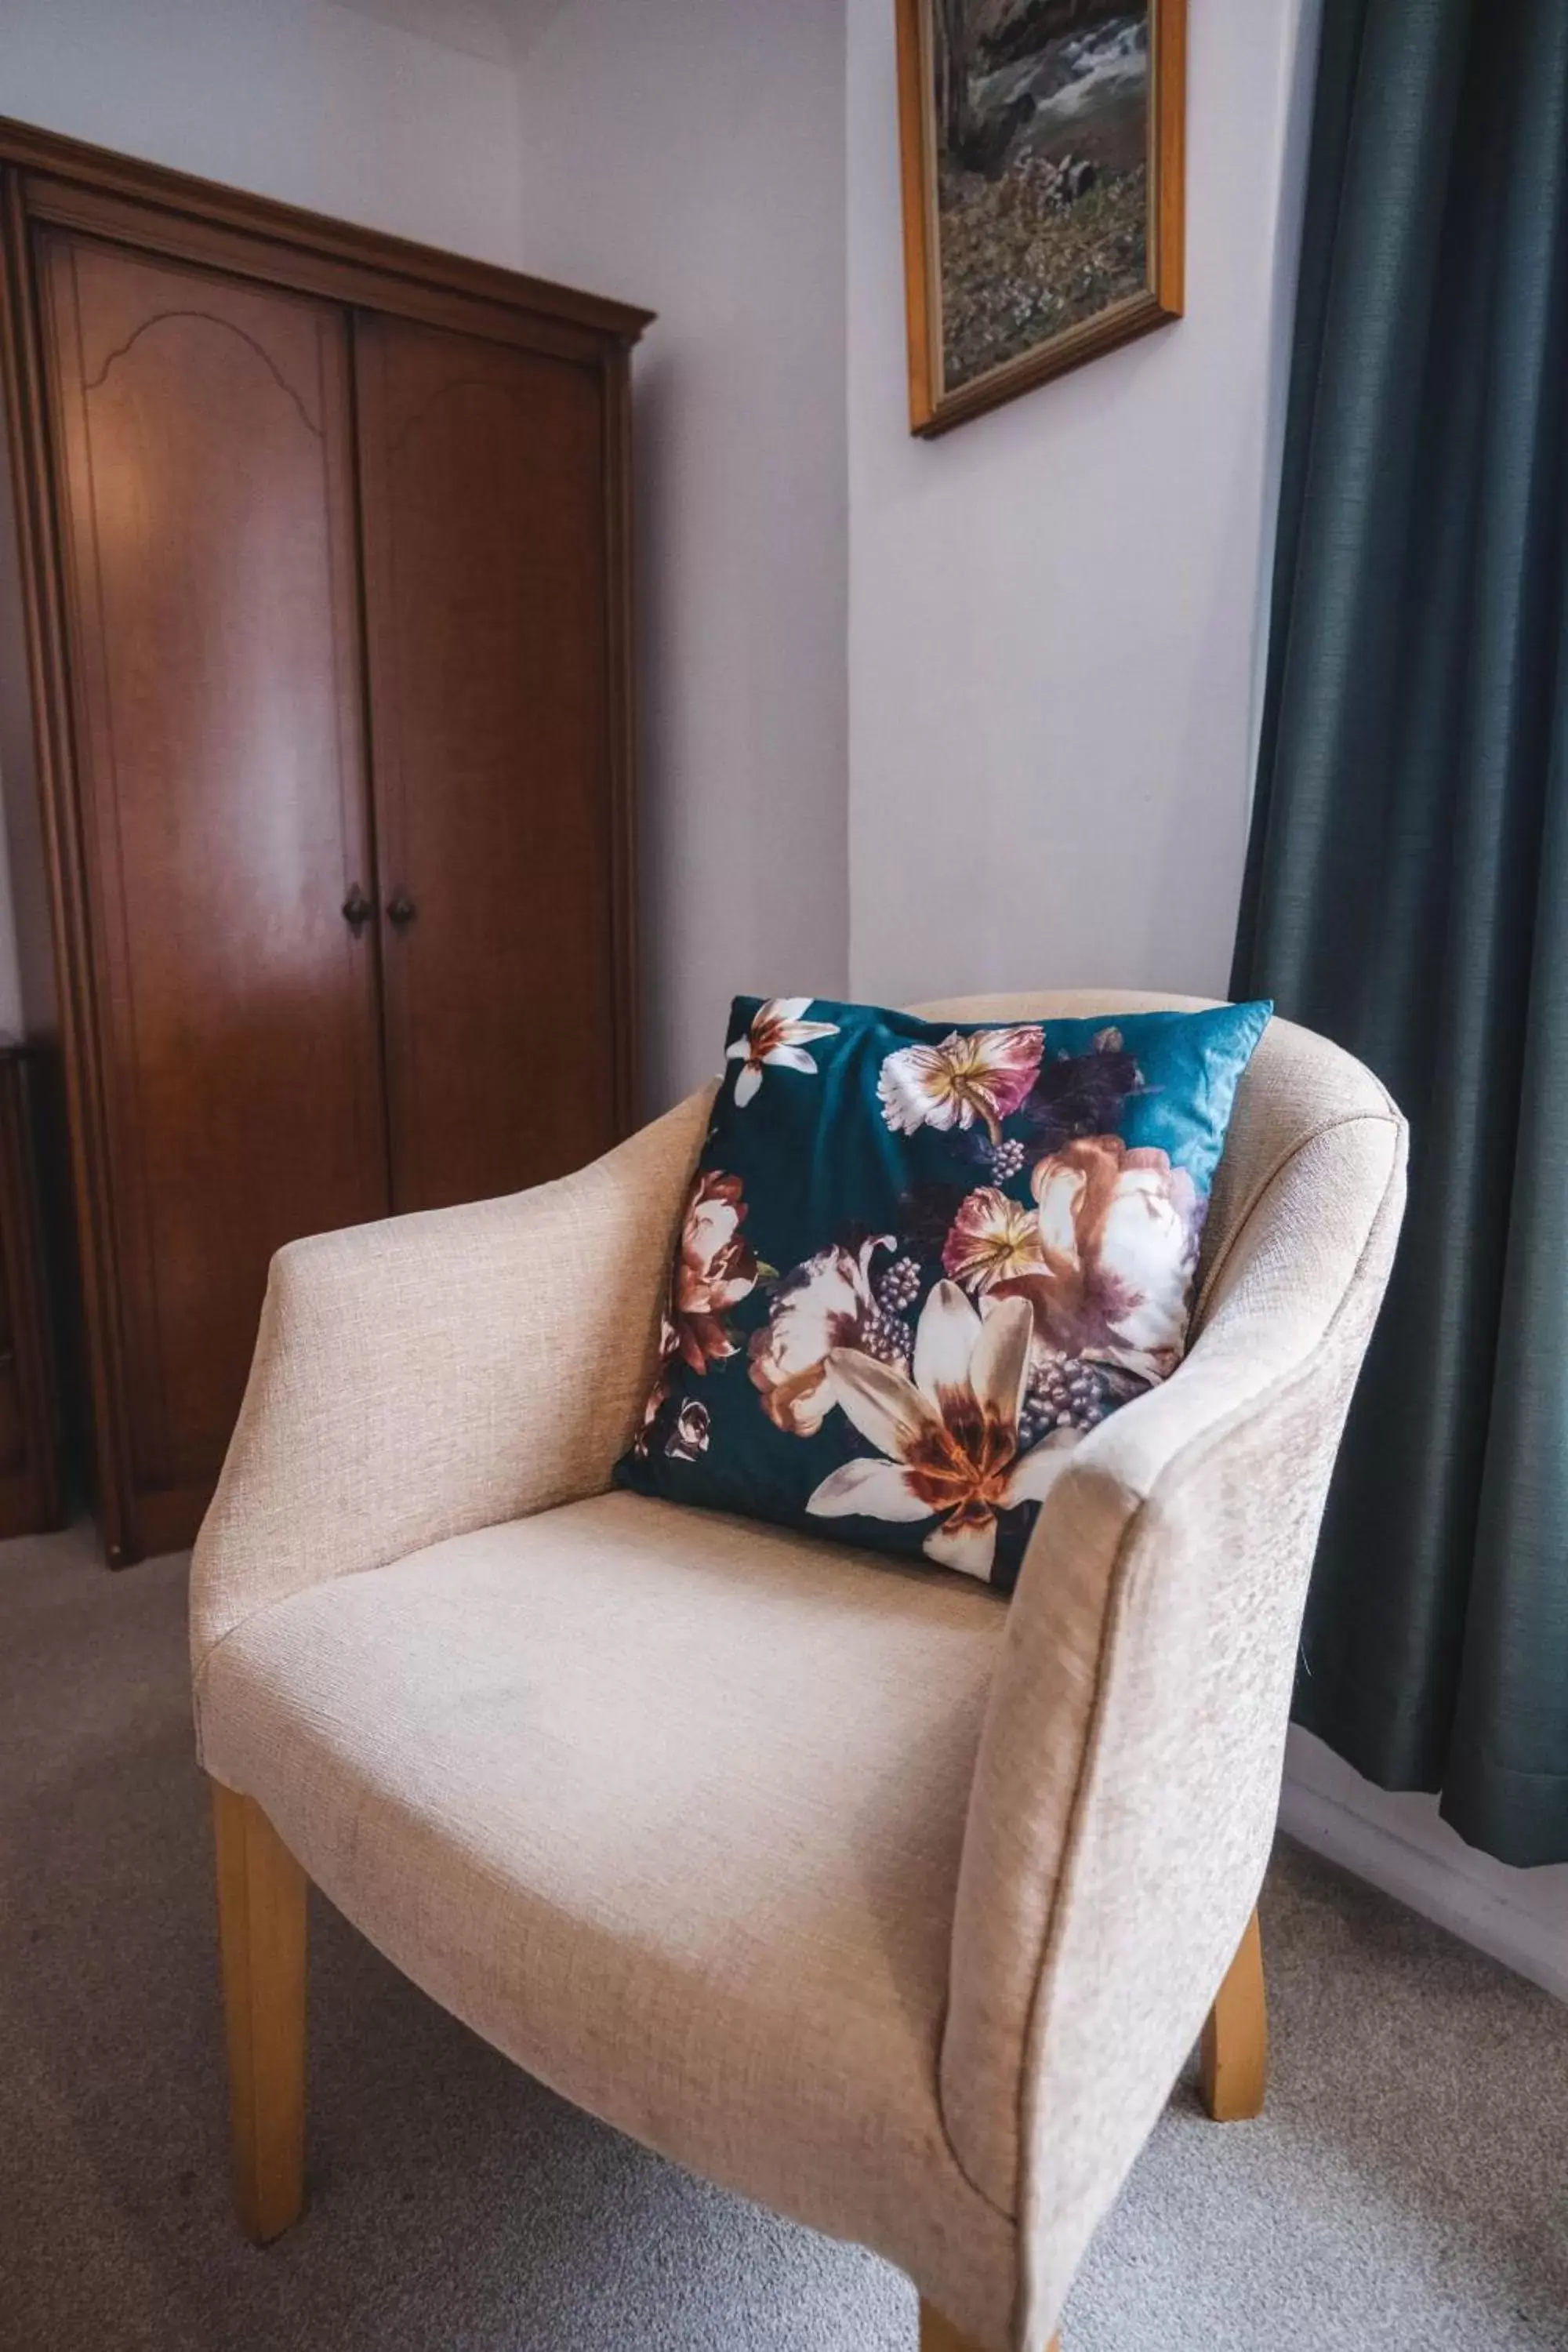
(1407, 877)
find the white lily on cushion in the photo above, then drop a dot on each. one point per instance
(950, 1436)
(777, 1037)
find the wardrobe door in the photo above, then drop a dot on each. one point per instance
(487, 588)
(204, 447)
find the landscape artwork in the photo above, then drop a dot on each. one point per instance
(1042, 158)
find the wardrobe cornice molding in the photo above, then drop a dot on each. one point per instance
(59, 173)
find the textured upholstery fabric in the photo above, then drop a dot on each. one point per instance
(669, 1807)
(432, 1373)
(1186, 1525)
(418, 1381)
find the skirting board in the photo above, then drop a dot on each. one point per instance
(1398, 1842)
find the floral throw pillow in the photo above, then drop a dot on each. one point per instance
(920, 1262)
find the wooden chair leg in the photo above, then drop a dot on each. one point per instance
(1232, 2058)
(940, 2335)
(262, 1936)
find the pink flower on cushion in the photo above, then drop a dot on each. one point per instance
(992, 1238)
(824, 1304)
(983, 1075)
(714, 1270)
(1119, 1231)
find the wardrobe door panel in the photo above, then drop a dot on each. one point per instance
(486, 587)
(204, 476)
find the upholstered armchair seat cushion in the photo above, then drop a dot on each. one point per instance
(669, 1807)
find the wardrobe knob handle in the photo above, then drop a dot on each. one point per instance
(401, 911)
(357, 911)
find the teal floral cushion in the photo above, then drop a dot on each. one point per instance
(919, 1261)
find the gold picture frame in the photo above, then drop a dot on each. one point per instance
(994, 200)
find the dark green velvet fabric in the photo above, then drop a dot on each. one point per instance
(921, 1260)
(1407, 884)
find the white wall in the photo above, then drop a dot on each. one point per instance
(689, 156)
(317, 104)
(1055, 609)
(1400, 1842)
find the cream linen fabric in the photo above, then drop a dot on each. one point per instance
(668, 1805)
(449, 1370)
(1129, 1773)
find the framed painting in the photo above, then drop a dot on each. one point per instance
(1042, 147)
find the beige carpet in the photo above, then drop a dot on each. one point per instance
(1408, 2188)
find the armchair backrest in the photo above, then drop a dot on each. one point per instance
(1128, 1777)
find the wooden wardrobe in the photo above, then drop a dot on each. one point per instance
(323, 556)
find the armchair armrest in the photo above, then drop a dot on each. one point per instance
(433, 1373)
(1128, 1776)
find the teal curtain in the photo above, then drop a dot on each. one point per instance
(1407, 879)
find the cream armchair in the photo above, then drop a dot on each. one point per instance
(849, 1886)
